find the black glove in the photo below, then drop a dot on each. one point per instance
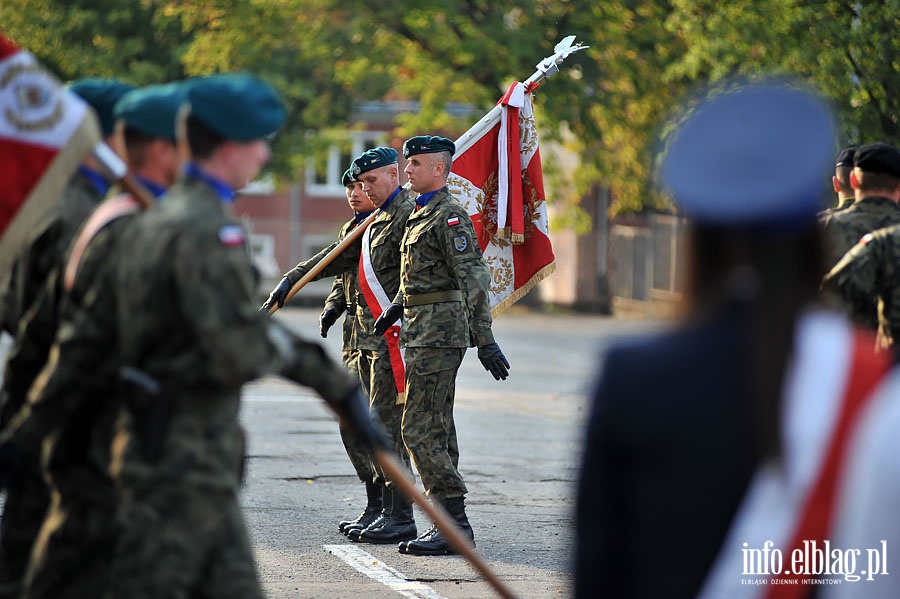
(355, 416)
(278, 295)
(327, 318)
(11, 459)
(387, 318)
(494, 361)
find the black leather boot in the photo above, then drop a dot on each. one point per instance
(387, 507)
(399, 526)
(373, 509)
(433, 541)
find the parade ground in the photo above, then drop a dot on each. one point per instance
(519, 449)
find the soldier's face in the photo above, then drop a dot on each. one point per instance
(246, 159)
(357, 198)
(380, 183)
(423, 173)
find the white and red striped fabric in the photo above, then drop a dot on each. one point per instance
(497, 177)
(45, 132)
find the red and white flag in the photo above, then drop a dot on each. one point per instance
(497, 177)
(45, 133)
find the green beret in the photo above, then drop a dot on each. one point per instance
(372, 159)
(427, 144)
(348, 177)
(152, 110)
(237, 106)
(102, 95)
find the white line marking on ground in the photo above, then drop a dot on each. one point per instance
(376, 570)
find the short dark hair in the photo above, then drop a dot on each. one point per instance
(136, 143)
(874, 181)
(842, 174)
(201, 139)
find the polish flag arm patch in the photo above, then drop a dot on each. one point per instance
(453, 221)
(232, 235)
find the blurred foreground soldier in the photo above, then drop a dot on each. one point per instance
(29, 315)
(190, 336)
(723, 447)
(74, 402)
(443, 299)
(866, 276)
(841, 182)
(874, 180)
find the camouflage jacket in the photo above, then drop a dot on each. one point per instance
(870, 273)
(187, 317)
(385, 235)
(844, 228)
(444, 279)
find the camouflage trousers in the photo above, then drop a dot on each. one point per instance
(377, 377)
(75, 546)
(428, 428)
(359, 457)
(180, 542)
(27, 499)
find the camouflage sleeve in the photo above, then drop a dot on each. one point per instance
(858, 278)
(463, 255)
(336, 300)
(343, 261)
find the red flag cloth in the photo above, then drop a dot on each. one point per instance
(510, 218)
(45, 132)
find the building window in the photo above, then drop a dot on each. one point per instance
(323, 173)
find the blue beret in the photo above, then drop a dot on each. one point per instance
(348, 177)
(237, 106)
(372, 159)
(845, 156)
(721, 168)
(877, 157)
(427, 144)
(102, 95)
(152, 110)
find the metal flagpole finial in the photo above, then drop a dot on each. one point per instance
(550, 65)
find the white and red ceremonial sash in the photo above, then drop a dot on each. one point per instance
(378, 301)
(831, 380)
(497, 177)
(45, 133)
(108, 211)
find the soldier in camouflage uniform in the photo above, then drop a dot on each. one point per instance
(30, 316)
(868, 272)
(874, 179)
(444, 301)
(841, 182)
(73, 404)
(190, 336)
(378, 171)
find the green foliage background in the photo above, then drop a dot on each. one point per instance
(608, 105)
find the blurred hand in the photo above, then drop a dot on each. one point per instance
(326, 319)
(494, 361)
(387, 318)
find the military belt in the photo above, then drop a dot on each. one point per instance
(435, 297)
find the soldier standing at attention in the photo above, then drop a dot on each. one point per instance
(27, 496)
(380, 361)
(841, 182)
(444, 301)
(189, 336)
(73, 403)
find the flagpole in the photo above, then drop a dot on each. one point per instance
(545, 69)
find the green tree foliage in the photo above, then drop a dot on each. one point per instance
(607, 105)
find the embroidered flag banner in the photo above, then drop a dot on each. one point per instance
(497, 177)
(45, 133)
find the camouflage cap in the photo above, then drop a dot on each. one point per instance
(102, 95)
(720, 167)
(372, 159)
(237, 106)
(152, 110)
(427, 144)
